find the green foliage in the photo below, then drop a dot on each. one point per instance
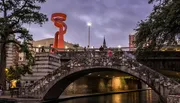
(15, 13)
(161, 27)
(76, 46)
(15, 72)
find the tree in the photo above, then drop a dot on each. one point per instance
(15, 72)
(15, 13)
(161, 26)
(76, 46)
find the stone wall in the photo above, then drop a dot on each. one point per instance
(45, 63)
(173, 99)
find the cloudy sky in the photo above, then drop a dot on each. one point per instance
(114, 19)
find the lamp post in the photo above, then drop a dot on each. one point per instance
(119, 47)
(89, 24)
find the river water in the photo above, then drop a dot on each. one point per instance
(134, 97)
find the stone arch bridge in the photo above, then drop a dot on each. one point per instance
(82, 63)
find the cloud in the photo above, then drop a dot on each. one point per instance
(114, 19)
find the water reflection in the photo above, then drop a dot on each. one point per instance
(133, 97)
(116, 99)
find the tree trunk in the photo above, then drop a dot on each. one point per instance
(3, 65)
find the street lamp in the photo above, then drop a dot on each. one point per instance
(89, 24)
(119, 46)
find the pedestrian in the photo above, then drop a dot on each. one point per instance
(42, 49)
(11, 89)
(110, 53)
(18, 85)
(84, 48)
(101, 48)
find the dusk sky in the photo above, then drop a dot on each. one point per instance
(114, 19)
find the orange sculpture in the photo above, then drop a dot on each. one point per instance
(58, 19)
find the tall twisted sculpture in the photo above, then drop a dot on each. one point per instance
(58, 19)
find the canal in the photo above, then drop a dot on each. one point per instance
(133, 97)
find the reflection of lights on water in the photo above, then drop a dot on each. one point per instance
(117, 99)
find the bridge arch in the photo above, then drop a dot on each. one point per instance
(57, 89)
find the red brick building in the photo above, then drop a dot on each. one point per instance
(131, 41)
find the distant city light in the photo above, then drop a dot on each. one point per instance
(89, 24)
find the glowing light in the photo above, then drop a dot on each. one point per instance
(89, 24)
(13, 83)
(99, 75)
(117, 98)
(6, 70)
(116, 83)
(119, 46)
(89, 74)
(39, 45)
(107, 76)
(66, 47)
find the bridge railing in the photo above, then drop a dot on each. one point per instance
(50, 49)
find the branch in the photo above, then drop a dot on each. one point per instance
(16, 31)
(13, 41)
(15, 13)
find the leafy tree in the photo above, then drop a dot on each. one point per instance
(76, 46)
(15, 13)
(161, 26)
(15, 72)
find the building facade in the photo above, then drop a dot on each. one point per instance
(131, 41)
(49, 41)
(45, 63)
